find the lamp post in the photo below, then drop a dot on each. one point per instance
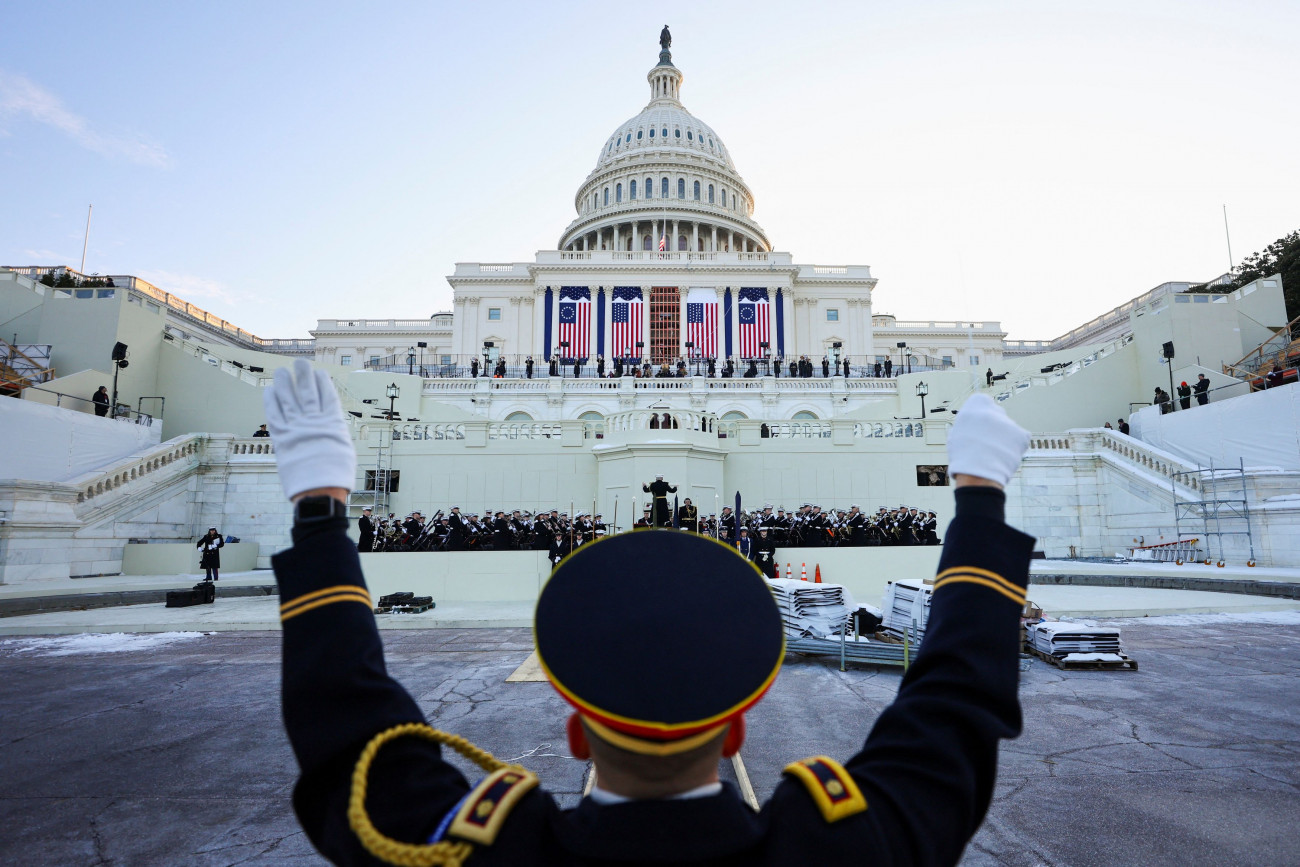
(410, 361)
(921, 391)
(392, 391)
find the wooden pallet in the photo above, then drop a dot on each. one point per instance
(406, 609)
(1125, 664)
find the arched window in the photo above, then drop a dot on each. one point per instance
(677, 133)
(681, 242)
(645, 242)
(710, 141)
(618, 193)
(519, 416)
(697, 191)
(607, 195)
(610, 148)
(591, 415)
(663, 189)
(631, 191)
(649, 188)
(681, 188)
(724, 197)
(689, 137)
(665, 132)
(638, 135)
(804, 415)
(734, 415)
(629, 138)
(710, 194)
(652, 132)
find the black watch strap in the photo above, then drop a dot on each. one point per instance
(311, 510)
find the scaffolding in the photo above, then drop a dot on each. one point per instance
(377, 485)
(1223, 503)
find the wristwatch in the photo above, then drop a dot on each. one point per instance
(313, 510)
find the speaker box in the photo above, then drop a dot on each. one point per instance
(207, 591)
(183, 598)
(119, 351)
(1168, 349)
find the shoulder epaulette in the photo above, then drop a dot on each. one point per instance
(983, 578)
(486, 807)
(835, 792)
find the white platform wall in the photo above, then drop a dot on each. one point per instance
(1262, 428)
(49, 443)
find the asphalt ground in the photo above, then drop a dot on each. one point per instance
(156, 750)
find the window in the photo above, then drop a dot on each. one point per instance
(629, 138)
(710, 194)
(494, 314)
(663, 189)
(105, 293)
(689, 137)
(932, 476)
(697, 191)
(804, 415)
(374, 361)
(631, 191)
(724, 197)
(607, 195)
(519, 416)
(153, 308)
(681, 243)
(446, 359)
(665, 132)
(645, 242)
(84, 293)
(677, 133)
(618, 192)
(1201, 299)
(345, 360)
(974, 361)
(710, 141)
(681, 188)
(638, 135)
(832, 315)
(652, 133)
(947, 361)
(649, 187)
(394, 478)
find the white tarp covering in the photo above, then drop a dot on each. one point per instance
(1263, 428)
(51, 444)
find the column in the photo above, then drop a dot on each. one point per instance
(695, 236)
(535, 303)
(735, 326)
(616, 236)
(674, 241)
(713, 243)
(681, 320)
(645, 322)
(720, 339)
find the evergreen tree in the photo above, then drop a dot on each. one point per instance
(1280, 257)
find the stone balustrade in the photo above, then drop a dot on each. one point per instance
(100, 482)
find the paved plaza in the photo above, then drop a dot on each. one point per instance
(168, 749)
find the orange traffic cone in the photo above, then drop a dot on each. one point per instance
(787, 571)
(818, 575)
(803, 571)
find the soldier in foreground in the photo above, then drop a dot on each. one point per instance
(375, 788)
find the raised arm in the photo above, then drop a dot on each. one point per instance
(928, 766)
(336, 691)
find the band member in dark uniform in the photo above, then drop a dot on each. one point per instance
(366, 527)
(745, 545)
(560, 549)
(765, 553)
(210, 558)
(659, 489)
(459, 530)
(688, 516)
(645, 520)
(374, 784)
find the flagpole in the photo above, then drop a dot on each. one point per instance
(90, 209)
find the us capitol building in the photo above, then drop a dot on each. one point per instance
(513, 398)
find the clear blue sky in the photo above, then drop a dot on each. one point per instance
(276, 163)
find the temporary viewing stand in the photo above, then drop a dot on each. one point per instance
(1222, 504)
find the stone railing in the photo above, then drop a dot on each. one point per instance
(252, 446)
(1151, 459)
(524, 430)
(440, 431)
(648, 419)
(124, 472)
(882, 430)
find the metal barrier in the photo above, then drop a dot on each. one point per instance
(1182, 551)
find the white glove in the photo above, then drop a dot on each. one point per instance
(985, 442)
(312, 445)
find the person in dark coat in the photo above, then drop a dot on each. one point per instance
(876, 370)
(528, 367)
(101, 400)
(764, 554)
(473, 367)
(559, 549)
(826, 368)
(261, 432)
(210, 546)
(366, 528)
(659, 490)
(846, 367)
(1202, 389)
(374, 782)
(555, 366)
(1184, 396)
(889, 368)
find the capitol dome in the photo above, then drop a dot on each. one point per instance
(664, 174)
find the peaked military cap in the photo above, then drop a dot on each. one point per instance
(646, 673)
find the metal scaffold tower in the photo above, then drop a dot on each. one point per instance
(1221, 511)
(378, 482)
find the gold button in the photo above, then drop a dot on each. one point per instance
(485, 808)
(835, 787)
